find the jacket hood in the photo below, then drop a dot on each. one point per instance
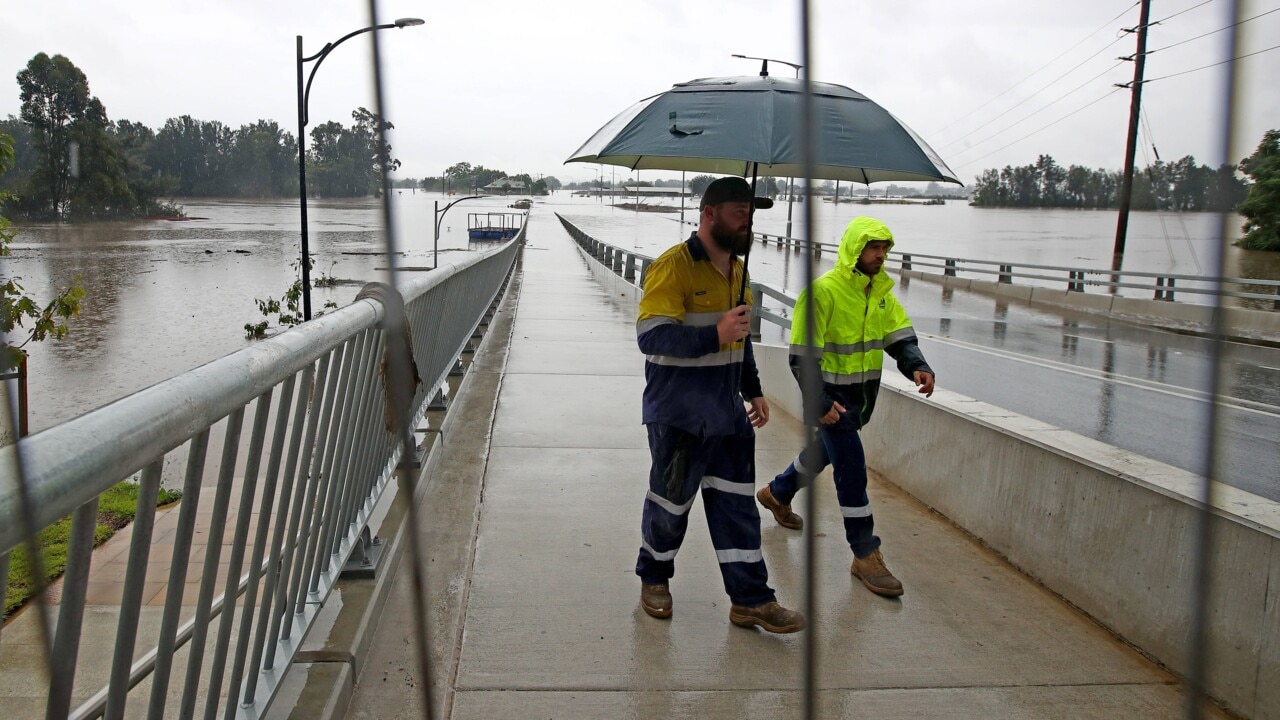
(860, 231)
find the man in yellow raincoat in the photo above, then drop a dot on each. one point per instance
(855, 320)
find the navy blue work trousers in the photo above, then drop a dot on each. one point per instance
(837, 445)
(723, 467)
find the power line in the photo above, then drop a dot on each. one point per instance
(1170, 17)
(1206, 67)
(1039, 130)
(1036, 71)
(1184, 42)
(1046, 107)
(1037, 92)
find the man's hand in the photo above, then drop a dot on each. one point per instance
(734, 325)
(833, 415)
(758, 412)
(924, 380)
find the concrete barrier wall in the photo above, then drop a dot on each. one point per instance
(1111, 532)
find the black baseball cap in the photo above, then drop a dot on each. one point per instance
(732, 189)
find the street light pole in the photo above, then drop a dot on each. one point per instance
(304, 94)
(764, 72)
(438, 217)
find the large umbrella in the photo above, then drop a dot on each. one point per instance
(749, 125)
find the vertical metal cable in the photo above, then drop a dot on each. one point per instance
(808, 377)
(1201, 595)
(400, 387)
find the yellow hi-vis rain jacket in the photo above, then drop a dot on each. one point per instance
(692, 381)
(853, 328)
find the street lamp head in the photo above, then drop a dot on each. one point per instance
(409, 22)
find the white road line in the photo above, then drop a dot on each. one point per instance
(1163, 388)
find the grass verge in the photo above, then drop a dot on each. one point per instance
(116, 509)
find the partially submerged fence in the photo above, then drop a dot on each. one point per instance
(321, 419)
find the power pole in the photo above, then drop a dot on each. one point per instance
(1135, 107)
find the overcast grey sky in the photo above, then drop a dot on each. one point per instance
(520, 85)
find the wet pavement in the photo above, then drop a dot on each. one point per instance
(534, 521)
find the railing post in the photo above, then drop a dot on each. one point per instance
(644, 273)
(616, 265)
(906, 261)
(950, 270)
(1159, 294)
(1006, 274)
(1276, 305)
(1073, 278)
(1168, 293)
(629, 273)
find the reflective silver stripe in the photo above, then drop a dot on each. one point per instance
(805, 351)
(644, 326)
(668, 555)
(800, 468)
(896, 335)
(739, 555)
(669, 506)
(724, 357)
(849, 378)
(737, 488)
(851, 348)
(702, 319)
(856, 512)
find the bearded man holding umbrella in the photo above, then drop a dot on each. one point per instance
(699, 370)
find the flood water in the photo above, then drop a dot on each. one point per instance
(164, 297)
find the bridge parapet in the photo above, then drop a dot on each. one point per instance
(291, 502)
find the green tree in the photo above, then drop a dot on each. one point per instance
(263, 161)
(1261, 208)
(55, 96)
(17, 308)
(698, 183)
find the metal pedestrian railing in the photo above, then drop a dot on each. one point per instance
(1257, 293)
(321, 416)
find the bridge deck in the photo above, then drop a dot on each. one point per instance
(534, 599)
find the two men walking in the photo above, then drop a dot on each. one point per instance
(703, 400)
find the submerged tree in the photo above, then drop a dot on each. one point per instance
(1262, 208)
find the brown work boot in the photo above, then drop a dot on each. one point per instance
(781, 513)
(655, 599)
(771, 616)
(872, 572)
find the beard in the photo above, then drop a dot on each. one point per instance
(734, 243)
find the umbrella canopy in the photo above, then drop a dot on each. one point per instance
(724, 125)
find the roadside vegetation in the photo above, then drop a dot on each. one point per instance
(116, 509)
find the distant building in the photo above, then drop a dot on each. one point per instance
(505, 186)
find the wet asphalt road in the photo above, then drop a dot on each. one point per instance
(1140, 389)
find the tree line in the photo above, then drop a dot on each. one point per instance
(71, 162)
(1182, 186)
(463, 177)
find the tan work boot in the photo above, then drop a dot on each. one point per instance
(781, 513)
(873, 573)
(771, 616)
(655, 599)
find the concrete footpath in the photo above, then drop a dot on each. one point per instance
(532, 525)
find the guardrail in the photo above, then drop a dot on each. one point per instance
(632, 266)
(320, 412)
(1265, 294)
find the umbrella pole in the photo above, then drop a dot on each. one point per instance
(751, 237)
